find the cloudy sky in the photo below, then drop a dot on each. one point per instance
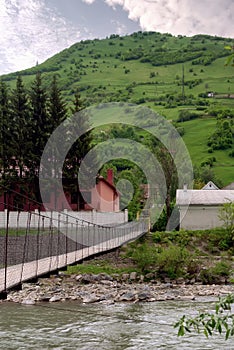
(33, 30)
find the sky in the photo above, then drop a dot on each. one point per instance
(33, 30)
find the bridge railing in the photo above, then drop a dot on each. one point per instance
(35, 250)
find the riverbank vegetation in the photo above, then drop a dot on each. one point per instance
(197, 256)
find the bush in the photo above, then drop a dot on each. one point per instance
(145, 256)
(172, 261)
(185, 115)
(215, 273)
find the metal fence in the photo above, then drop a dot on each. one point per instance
(29, 252)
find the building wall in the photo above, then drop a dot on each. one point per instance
(21, 219)
(200, 217)
(104, 198)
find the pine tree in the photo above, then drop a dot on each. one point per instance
(20, 140)
(39, 123)
(78, 124)
(57, 115)
(5, 133)
(57, 107)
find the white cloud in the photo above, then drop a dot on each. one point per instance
(31, 32)
(187, 17)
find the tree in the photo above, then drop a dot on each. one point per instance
(226, 215)
(78, 124)
(230, 59)
(40, 123)
(221, 321)
(171, 177)
(20, 141)
(57, 114)
(5, 133)
(56, 107)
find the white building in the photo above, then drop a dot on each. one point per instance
(199, 209)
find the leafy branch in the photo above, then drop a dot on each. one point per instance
(221, 321)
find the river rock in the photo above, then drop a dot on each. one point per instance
(127, 296)
(150, 276)
(144, 296)
(180, 280)
(133, 276)
(125, 276)
(55, 298)
(28, 302)
(92, 298)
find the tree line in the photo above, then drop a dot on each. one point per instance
(28, 117)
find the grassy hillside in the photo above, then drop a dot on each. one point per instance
(146, 68)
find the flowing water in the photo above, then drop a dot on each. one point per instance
(70, 325)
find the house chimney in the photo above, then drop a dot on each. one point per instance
(185, 187)
(110, 176)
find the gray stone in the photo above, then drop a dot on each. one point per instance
(92, 298)
(150, 276)
(28, 302)
(144, 296)
(133, 276)
(180, 280)
(125, 276)
(142, 277)
(44, 297)
(128, 296)
(105, 276)
(55, 298)
(167, 280)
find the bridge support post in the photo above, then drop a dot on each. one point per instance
(3, 295)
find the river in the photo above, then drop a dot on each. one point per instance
(72, 326)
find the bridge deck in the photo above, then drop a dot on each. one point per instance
(16, 274)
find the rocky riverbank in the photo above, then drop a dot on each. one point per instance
(106, 289)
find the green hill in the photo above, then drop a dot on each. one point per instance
(166, 73)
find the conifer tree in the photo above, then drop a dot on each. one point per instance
(57, 114)
(57, 107)
(5, 133)
(20, 141)
(78, 125)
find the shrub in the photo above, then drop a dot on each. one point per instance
(213, 274)
(145, 256)
(185, 115)
(172, 261)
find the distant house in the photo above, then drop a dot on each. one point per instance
(210, 94)
(210, 186)
(103, 197)
(199, 209)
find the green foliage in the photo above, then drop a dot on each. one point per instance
(205, 173)
(171, 261)
(144, 256)
(212, 275)
(230, 59)
(223, 136)
(221, 321)
(226, 215)
(99, 267)
(185, 115)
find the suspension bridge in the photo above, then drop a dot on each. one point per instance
(49, 242)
